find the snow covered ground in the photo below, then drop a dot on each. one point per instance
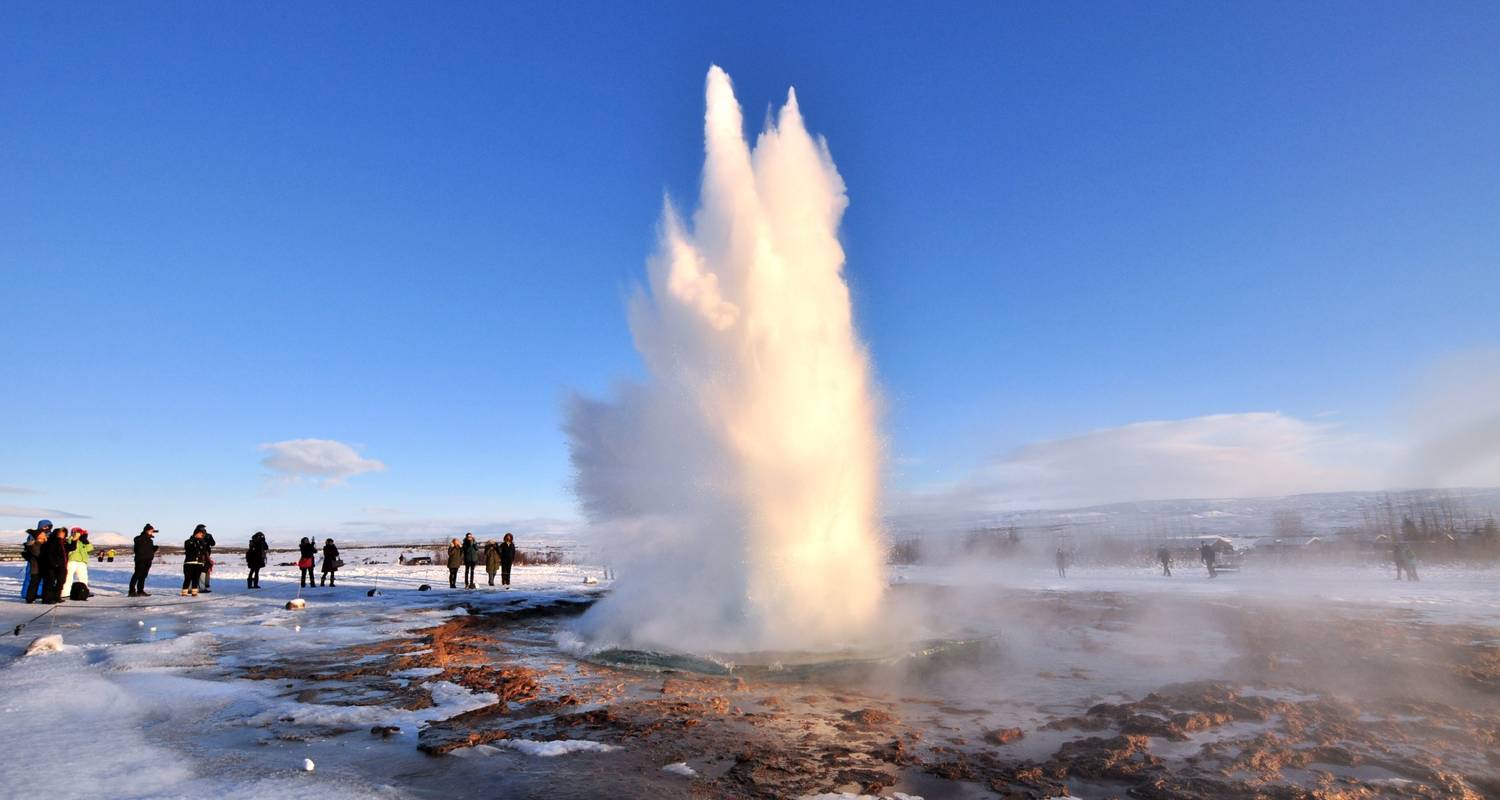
(1445, 593)
(147, 701)
(140, 703)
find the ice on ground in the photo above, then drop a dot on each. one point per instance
(449, 699)
(680, 768)
(547, 749)
(151, 680)
(417, 672)
(557, 747)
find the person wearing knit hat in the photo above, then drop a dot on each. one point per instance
(79, 551)
(208, 556)
(145, 553)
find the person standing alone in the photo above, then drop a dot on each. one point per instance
(145, 553)
(255, 558)
(1165, 557)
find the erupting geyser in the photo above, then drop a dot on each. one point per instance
(736, 487)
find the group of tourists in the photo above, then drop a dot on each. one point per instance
(467, 555)
(307, 552)
(57, 564)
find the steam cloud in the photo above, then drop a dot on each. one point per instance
(738, 485)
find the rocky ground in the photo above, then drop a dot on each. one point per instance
(1089, 694)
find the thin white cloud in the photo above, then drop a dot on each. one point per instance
(325, 461)
(1222, 455)
(16, 490)
(31, 512)
(411, 527)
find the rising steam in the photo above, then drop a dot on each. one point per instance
(737, 485)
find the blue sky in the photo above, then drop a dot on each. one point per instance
(411, 230)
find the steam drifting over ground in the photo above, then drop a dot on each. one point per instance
(738, 484)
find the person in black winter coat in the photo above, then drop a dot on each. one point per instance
(330, 561)
(208, 556)
(33, 552)
(54, 565)
(307, 552)
(255, 558)
(145, 553)
(194, 558)
(471, 559)
(507, 557)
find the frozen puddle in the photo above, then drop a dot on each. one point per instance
(548, 749)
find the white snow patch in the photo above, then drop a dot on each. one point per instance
(681, 768)
(45, 644)
(557, 747)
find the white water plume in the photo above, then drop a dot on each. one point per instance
(737, 486)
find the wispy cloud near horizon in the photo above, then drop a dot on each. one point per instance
(1221, 455)
(30, 512)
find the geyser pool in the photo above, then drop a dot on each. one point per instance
(801, 665)
(736, 486)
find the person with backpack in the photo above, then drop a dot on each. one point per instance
(455, 560)
(471, 559)
(77, 574)
(255, 558)
(194, 558)
(507, 557)
(331, 561)
(145, 553)
(307, 551)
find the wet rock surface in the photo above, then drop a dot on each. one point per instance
(1343, 704)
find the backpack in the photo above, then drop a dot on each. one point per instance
(79, 592)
